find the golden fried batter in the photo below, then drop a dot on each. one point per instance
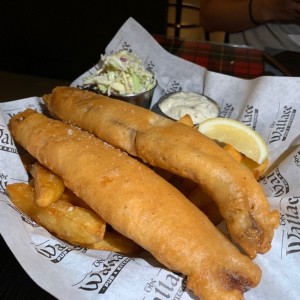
(179, 149)
(140, 205)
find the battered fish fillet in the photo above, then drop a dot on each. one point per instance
(179, 149)
(139, 204)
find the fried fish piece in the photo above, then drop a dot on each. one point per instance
(181, 150)
(139, 204)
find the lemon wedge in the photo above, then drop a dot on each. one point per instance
(241, 137)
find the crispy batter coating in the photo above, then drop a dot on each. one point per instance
(181, 150)
(140, 205)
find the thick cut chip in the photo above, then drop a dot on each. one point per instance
(187, 120)
(47, 185)
(258, 170)
(68, 222)
(233, 152)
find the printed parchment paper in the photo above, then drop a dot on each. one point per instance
(270, 105)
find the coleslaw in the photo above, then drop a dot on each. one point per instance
(121, 73)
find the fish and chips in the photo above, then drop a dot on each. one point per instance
(112, 176)
(179, 149)
(67, 217)
(138, 204)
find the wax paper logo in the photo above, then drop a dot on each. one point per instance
(3, 182)
(127, 47)
(6, 141)
(56, 251)
(297, 158)
(227, 110)
(290, 224)
(276, 183)
(280, 128)
(166, 285)
(250, 116)
(103, 274)
(174, 87)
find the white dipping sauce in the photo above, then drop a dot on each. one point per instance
(199, 107)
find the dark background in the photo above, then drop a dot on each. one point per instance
(60, 40)
(63, 39)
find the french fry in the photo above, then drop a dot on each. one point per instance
(260, 170)
(257, 169)
(74, 224)
(233, 152)
(187, 120)
(48, 186)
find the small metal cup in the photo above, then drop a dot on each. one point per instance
(157, 109)
(143, 99)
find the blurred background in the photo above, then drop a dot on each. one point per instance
(184, 21)
(49, 43)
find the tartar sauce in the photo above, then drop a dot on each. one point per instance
(199, 107)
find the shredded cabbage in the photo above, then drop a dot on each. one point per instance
(121, 73)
